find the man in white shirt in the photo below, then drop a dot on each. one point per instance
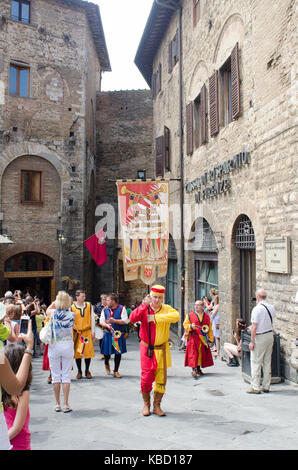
(261, 344)
(114, 320)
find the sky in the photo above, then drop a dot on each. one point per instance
(123, 23)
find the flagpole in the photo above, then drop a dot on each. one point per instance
(78, 246)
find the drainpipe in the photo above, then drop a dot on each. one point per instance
(175, 5)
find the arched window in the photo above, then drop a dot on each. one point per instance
(29, 261)
(244, 236)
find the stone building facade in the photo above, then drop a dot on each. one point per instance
(124, 146)
(52, 55)
(222, 76)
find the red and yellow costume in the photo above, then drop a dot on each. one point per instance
(154, 369)
(83, 324)
(198, 351)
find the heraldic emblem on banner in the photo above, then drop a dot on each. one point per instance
(144, 217)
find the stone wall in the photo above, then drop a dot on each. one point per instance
(55, 124)
(264, 189)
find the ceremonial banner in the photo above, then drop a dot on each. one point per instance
(144, 218)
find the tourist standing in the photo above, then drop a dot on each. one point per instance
(261, 343)
(61, 350)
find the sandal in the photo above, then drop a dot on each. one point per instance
(67, 409)
(57, 408)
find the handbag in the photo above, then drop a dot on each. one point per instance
(45, 334)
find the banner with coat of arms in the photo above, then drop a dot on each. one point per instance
(144, 218)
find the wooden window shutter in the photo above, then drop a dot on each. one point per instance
(194, 12)
(170, 61)
(203, 114)
(159, 156)
(213, 104)
(235, 80)
(166, 140)
(153, 85)
(189, 128)
(159, 78)
(176, 48)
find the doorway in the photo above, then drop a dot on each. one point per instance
(31, 272)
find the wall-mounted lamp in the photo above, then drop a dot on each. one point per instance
(61, 237)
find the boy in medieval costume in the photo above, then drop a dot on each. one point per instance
(83, 333)
(156, 318)
(114, 320)
(199, 333)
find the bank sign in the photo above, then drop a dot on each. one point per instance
(216, 180)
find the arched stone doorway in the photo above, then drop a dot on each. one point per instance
(244, 253)
(31, 272)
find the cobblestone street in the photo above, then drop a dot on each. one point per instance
(213, 412)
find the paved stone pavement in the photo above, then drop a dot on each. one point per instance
(213, 412)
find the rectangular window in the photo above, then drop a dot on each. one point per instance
(20, 11)
(19, 80)
(30, 186)
(206, 277)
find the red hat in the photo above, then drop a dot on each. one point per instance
(157, 290)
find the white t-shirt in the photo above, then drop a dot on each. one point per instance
(124, 315)
(260, 316)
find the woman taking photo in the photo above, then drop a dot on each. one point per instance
(61, 349)
(14, 383)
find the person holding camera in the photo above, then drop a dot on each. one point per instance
(156, 319)
(14, 383)
(32, 309)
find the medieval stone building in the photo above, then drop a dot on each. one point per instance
(61, 139)
(52, 55)
(222, 75)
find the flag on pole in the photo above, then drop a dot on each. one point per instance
(97, 247)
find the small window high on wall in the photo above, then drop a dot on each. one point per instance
(19, 80)
(20, 11)
(30, 187)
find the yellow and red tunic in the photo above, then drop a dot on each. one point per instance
(83, 325)
(197, 350)
(153, 368)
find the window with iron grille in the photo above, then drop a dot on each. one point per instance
(244, 236)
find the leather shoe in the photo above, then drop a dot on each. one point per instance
(252, 390)
(79, 375)
(88, 375)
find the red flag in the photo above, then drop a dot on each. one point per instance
(97, 247)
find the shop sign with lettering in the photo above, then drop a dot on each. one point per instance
(216, 181)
